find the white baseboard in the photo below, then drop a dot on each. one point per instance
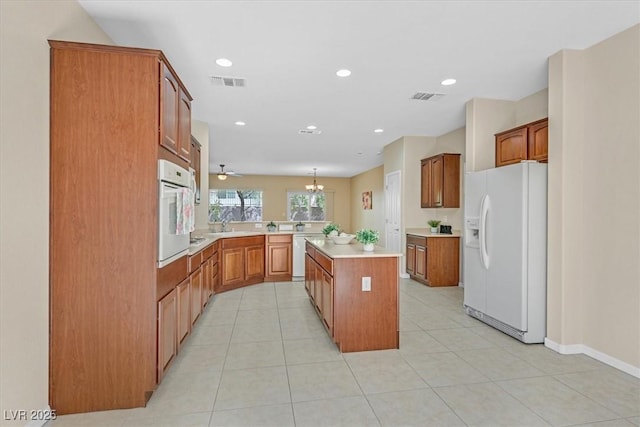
(404, 276)
(598, 355)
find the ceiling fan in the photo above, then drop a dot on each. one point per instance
(222, 175)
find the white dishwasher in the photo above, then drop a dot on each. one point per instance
(298, 253)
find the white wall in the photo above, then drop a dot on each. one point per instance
(371, 180)
(25, 27)
(594, 201)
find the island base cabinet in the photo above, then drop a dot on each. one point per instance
(355, 319)
(366, 320)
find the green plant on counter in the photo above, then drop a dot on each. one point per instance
(434, 223)
(329, 228)
(367, 236)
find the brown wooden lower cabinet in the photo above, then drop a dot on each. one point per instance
(241, 262)
(279, 262)
(434, 261)
(354, 319)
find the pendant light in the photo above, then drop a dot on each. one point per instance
(314, 188)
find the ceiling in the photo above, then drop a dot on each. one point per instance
(289, 52)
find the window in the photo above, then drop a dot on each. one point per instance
(235, 205)
(304, 206)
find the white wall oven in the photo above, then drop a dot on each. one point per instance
(171, 246)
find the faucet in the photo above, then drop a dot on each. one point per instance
(224, 226)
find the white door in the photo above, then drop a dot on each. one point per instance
(473, 270)
(506, 219)
(393, 237)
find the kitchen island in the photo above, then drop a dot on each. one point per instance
(355, 294)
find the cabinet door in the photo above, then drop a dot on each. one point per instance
(184, 126)
(327, 301)
(411, 258)
(279, 260)
(195, 164)
(538, 135)
(254, 258)
(184, 310)
(308, 274)
(167, 332)
(317, 286)
(437, 182)
(421, 262)
(196, 295)
(511, 147)
(232, 267)
(207, 280)
(170, 93)
(425, 186)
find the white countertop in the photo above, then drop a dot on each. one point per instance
(352, 250)
(210, 238)
(426, 232)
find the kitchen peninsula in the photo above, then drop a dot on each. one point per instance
(355, 294)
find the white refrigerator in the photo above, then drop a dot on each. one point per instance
(505, 251)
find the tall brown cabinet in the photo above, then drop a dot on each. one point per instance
(112, 111)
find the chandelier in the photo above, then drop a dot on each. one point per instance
(314, 188)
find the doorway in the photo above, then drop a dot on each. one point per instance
(392, 214)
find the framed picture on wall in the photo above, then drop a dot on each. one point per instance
(367, 200)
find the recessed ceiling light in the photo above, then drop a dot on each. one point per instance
(343, 73)
(240, 123)
(312, 127)
(378, 130)
(448, 82)
(224, 62)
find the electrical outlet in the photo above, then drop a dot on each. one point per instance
(444, 218)
(366, 284)
(258, 225)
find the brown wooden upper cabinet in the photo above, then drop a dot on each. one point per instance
(175, 129)
(526, 142)
(196, 154)
(440, 186)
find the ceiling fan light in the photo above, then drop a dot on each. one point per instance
(222, 176)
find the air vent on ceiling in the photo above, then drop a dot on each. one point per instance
(309, 132)
(228, 81)
(424, 96)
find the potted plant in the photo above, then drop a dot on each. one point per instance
(434, 223)
(368, 238)
(331, 230)
(271, 226)
(300, 226)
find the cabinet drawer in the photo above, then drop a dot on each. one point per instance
(207, 253)
(279, 238)
(240, 242)
(325, 262)
(310, 250)
(170, 276)
(416, 240)
(195, 261)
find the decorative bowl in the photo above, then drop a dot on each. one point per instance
(344, 239)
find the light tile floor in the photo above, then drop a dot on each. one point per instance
(260, 357)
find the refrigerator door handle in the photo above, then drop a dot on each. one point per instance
(482, 232)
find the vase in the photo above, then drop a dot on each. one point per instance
(434, 229)
(368, 247)
(333, 233)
